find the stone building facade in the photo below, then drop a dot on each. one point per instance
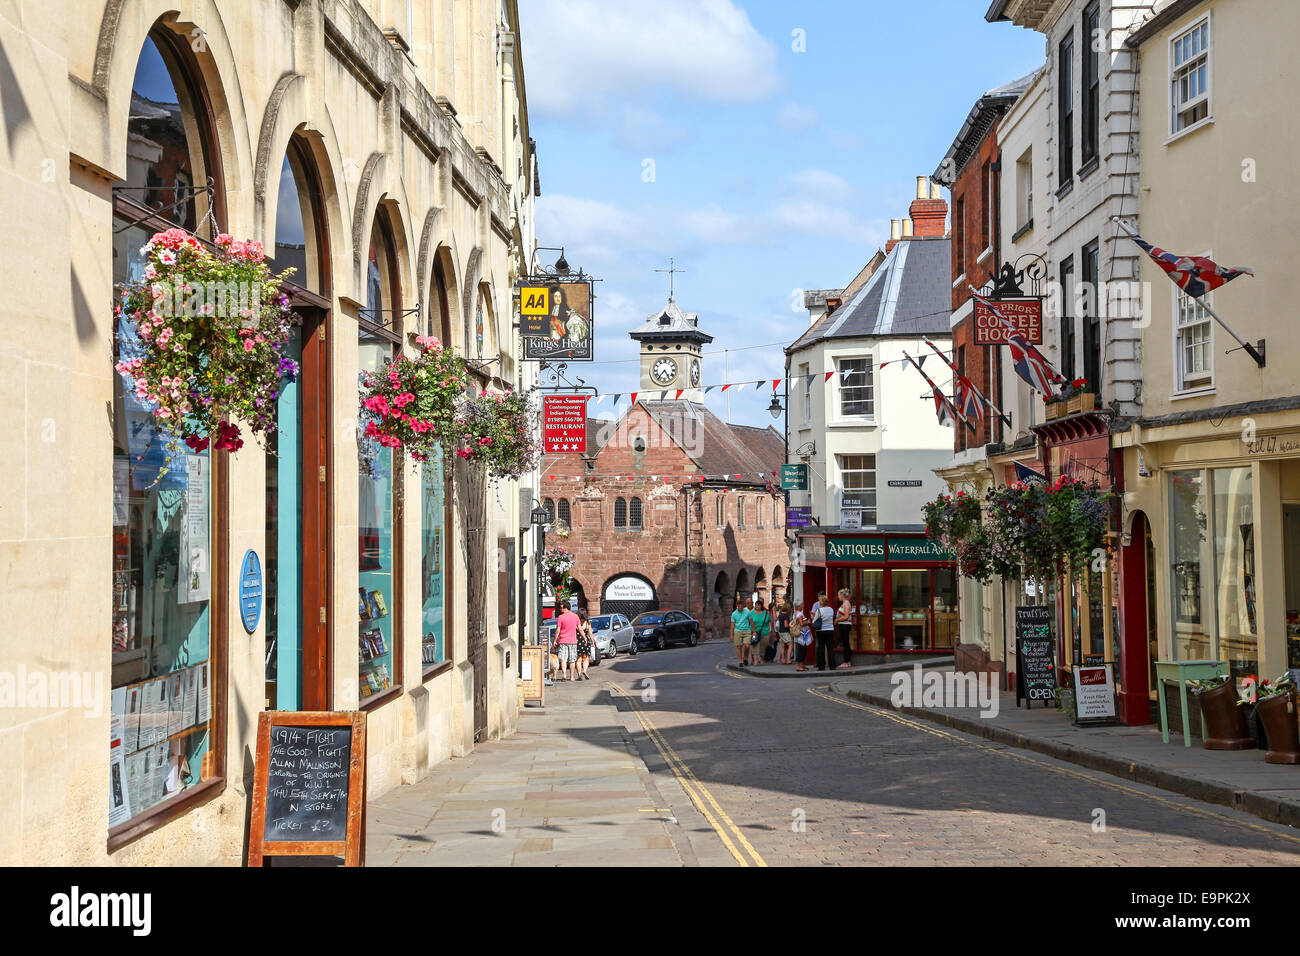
(383, 149)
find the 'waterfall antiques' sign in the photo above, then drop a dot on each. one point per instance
(555, 320)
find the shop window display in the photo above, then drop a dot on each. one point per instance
(432, 629)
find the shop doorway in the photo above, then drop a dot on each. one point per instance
(1291, 572)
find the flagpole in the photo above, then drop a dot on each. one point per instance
(975, 295)
(1256, 353)
(964, 420)
(1002, 416)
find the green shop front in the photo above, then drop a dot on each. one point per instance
(903, 588)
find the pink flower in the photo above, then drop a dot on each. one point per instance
(401, 401)
(224, 239)
(248, 345)
(255, 250)
(237, 250)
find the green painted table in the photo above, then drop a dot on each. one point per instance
(1182, 672)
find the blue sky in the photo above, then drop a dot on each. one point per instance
(695, 129)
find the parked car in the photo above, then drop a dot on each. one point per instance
(613, 633)
(658, 629)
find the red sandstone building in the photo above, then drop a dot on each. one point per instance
(671, 507)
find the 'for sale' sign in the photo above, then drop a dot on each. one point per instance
(564, 424)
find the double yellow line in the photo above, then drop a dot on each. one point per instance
(1064, 771)
(699, 794)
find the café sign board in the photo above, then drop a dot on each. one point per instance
(1025, 314)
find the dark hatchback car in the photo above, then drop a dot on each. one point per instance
(658, 629)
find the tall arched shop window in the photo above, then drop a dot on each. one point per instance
(620, 514)
(297, 511)
(168, 672)
(434, 511)
(634, 514)
(379, 535)
(564, 513)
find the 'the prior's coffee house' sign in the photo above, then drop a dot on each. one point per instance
(869, 550)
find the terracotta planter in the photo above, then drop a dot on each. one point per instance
(1278, 715)
(1081, 402)
(1054, 410)
(1225, 721)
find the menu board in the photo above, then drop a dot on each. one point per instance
(1035, 655)
(309, 786)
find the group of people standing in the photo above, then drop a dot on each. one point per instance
(762, 637)
(574, 642)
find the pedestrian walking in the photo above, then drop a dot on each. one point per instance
(785, 640)
(762, 635)
(741, 629)
(585, 641)
(802, 622)
(844, 625)
(566, 644)
(825, 632)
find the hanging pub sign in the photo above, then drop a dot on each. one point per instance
(564, 424)
(1025, 314)
(555, 320)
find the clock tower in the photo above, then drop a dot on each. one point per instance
(671, 344)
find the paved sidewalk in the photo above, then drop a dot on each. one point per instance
(1239, 779)
(569, 789)
(791, 671)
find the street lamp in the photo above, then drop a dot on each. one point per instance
(775, 408)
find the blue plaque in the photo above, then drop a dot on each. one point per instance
(250, 590)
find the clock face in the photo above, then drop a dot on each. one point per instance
(695, 373)
(664, 371)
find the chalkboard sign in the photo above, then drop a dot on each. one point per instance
(309, 786)
(1035, 656)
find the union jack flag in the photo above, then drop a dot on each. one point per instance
(967, 398)
(943, 408)
(1028, 362)
(1195, 275)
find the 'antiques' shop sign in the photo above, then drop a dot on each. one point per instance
(879, 550)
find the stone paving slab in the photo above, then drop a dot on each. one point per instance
(568, 789)
(1239, 779)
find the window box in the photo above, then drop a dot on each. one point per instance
(1080, 402)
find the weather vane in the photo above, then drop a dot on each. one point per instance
(671, 270)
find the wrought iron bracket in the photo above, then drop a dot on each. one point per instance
(210, 190)
(559, 381)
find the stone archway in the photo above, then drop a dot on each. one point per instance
(628, 594)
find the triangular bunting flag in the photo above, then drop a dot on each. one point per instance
(634, 398)
(709, 388)
(828, 375)
(727, 386)
(679, 392)
(775, 383)
(663, 395)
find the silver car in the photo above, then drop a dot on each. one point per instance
(613, 633)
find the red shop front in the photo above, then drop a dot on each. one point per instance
(903, 588)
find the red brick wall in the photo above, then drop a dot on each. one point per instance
(658, 550)
(970, 199)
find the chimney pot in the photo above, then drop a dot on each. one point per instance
(936, 191)
(907, 229)
(894, 226)
(922, 187)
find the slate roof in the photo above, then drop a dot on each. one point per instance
(671, 322)
(978, 121)
(909, 295)
(716, 448)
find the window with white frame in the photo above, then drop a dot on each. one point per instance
(807, 394)
(856, 384)
(858, 480)
(1025, 189)
(1193, 341)
(1189, 67)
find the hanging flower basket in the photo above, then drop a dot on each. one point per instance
(411, 402)
(497, 429)
(558, 561)
(203, 340)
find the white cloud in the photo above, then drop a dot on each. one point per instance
(645, 132)
(798, 118)
(823, 184)
(581, 52)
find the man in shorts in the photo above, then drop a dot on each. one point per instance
(742, 626)
(566, 644)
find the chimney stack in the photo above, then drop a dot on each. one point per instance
(894, 235)
(928, 212)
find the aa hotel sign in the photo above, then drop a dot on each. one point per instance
(1025, 314)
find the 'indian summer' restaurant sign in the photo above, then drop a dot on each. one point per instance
(878, 550)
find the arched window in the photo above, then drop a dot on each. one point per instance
(620, 514)
(722, 511)
(634, 514)
(436, 498)
(564, 511)
(740, 513)
(549, 505)
(378, 340)
(167, 566)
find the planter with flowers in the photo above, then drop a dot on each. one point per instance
(411, 403)
(1275, 704)
(1054, 408)
(497, 429)
(1080, 397)
(204, 339)
(954, 521)
(1225, 720)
